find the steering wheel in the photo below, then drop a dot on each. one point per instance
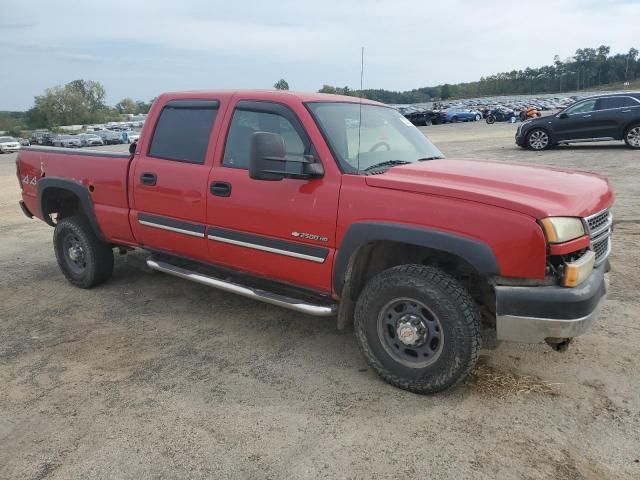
(378, 145)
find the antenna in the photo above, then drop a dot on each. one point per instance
(360, 95)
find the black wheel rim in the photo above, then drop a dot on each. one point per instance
(410, 332)
(74, 254)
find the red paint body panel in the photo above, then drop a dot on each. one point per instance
(515, 238)
(569, 247)
(536, 191)
(107, 175)
(497, 204)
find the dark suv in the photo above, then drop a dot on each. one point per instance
(592, 119)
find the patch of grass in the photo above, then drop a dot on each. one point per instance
(490, 382)
(633, 85)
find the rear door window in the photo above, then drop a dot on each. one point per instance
(612, 102)
(183, 130)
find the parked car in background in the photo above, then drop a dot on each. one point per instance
(67, 141)
(419, 116)
(460, 115)
(24, 142)
(130, 136)
(500, 115)
(109, 137)
(42, 137)
(593, 119)
(90, 139)
(9, 144)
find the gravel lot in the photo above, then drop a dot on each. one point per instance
(150, 376)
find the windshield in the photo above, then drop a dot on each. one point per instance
(6, 139)
(385, 139)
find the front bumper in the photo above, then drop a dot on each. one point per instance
(10, 149)
(533, 314)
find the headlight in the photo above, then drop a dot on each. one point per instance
(562, 229)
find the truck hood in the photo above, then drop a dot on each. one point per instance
(536, 191)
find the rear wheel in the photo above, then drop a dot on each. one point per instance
(478, 117)
(491, 119)
(84, 259)
(632, 136)
(538, 139)
(418, 328)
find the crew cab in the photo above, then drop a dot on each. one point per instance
(594, 119)
(337, 206)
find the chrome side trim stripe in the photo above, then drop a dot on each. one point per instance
(171, 229)
(255, 294)
(583, 140)
(278, 251)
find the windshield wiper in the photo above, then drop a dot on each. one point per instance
(387, 163)
(428, 158)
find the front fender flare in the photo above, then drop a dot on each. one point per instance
(475, 252)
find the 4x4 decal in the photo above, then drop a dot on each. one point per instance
(30, 181)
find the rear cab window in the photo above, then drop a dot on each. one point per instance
(183, 130)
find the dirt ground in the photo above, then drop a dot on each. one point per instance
(150, 376)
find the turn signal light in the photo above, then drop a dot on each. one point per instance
(577, 272)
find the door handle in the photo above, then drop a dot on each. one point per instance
(586, 116)
(148, 178)
(221, 189)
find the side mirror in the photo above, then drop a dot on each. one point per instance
(563, 115)
(268, 160)
(132, 147)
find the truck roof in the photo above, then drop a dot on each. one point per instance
(267, 95)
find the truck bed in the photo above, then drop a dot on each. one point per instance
(104, 174)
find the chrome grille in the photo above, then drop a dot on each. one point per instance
(599, 228)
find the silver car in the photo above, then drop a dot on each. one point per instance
(9, 144)
(90, 139)
(67, 141)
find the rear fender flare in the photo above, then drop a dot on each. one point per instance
(75, 187)
(475, 252)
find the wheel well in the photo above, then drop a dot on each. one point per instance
(62, 202)
(544, 129)
(631, 124)
(375, 257)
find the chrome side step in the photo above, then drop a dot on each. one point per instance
(253, 293)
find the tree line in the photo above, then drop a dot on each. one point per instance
(80, 102)
(588, 68)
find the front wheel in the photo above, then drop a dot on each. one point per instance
(538, 139)
(478, 117)
(491, 119)
(418, 328)
(632, 136)
(84, 259)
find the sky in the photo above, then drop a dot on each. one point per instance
(139, 48)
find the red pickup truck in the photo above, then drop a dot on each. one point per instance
(336, 206)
